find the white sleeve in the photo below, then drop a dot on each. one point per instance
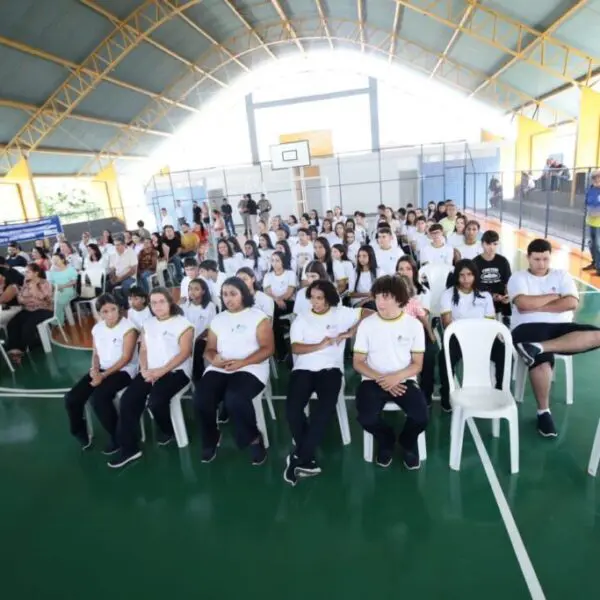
(425, 299)
(516, 286)
(490, 311)
(292, 280)
(418, 342)
(567, 286)
(267, 280)
(446, 301)
(424, 255)
(351, 276)
(361, 342)
(212, 313)
(348, 317)
(296, 331)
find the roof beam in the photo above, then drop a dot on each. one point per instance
(104, 59)
(555, 58)
(32, 108)
(324, 22)
(75, 152)
(118, 23)
(360, 9)
(251, 29)
(287, 24)
(531, 46)
(466, 16)
(72, 67)
(394, 34)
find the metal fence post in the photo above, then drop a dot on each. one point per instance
(547, 213)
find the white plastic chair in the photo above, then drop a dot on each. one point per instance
(595, 455)
(436, 275)
(177, 419)
(520, 376)
(477, 398)
(261, 423)
(5, 356)
(368, 438)
(97, 279)
(44, 330)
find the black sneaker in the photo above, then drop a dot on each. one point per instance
(289, 473)
(545, 425)
(222, 415)
(384, 458)
(85, 440)
(209, 454)
(308, 469)
(259, 453)
(590, 267)
(529, 351)
(163, 439)
(411, 460)
(111, 448)
(122, 459)
(446, 406)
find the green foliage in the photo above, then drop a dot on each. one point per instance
(72, 207)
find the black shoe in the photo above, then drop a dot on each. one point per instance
(222, 415)
(164, 439)
(289, 473)
(122, 459)
(411, 460)
(259, 453)
(545, 425)
(384, 457)
(590, 267)
(111, 448)
(308, 469)
(446, 406)
(529, 351)
(209, 454)
(85, 440)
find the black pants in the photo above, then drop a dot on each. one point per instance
(497, 357)
(102, 398)
(22, 329)
(280, 328)
(427, 378)
(308, 435)
(370, 400)
(236, 390)
(198, 366)
(159, 397)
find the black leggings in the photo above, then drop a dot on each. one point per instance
(280, 328)
(22, 329)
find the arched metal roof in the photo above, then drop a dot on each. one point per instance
(87, 82)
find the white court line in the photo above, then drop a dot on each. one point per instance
(529, 574)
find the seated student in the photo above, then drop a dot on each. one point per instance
(318, 339)
(199, 310)
(544, 301)
(165, 369)
(239, 344)
(386, 254)
(448, 223)
(472, 246)
(367, 272)
(343, 269)
(494, 273)
(138, 312)
(322, 255)
(209, 272)
(284, 247)
(465, 300)
(252, 260)
(228, 262)
(388, 353)
(147, 263)
(114, 363)
(280, 284)
(261, 300)
(457, 237)
(304, 250)
(191, 270)
(313, 272)
(437, 251)
(352, 245)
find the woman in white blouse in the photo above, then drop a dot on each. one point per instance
(464, 300)
(114, 363)
(343, 269)
(165, 369)
(366, 274)
(239, 344)
(313, 272)
(457, 237)
(252, 259)
(261, 300)
(280, 283)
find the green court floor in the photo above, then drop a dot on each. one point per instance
(170, 526)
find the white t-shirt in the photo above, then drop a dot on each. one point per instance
(301, 303)
(200, 317)
(264, 303)
(166, 220)
(232, 264)
(236, 340)
(310, 328)
(352, 251)
(556, 281)
(303, 254)
(365, 281)
(121, 263)
(214, 287)
(184, 288)
(425, 299)
(443, 255)
(344, 270)
(455, 239)
(280, 283)
(420, 240)
(388, 259)
(161, 339)
(468, 307)
(139, 317)
(109, 344)
(388, 344)
(470, 251)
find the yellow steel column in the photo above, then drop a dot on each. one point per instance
(526, 129)
(106, 185)
(587, 150)
(20, 175)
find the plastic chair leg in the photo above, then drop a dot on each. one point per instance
(422, 445)
(342, 415)
(269, 397)
(595, 455)
(496, 428)
(44, 333)
(78, 309)
(6, 359)
(368, 447)
(513, 430)
(569, 378)
(178, 421)
(261, 423)
(457, 432)
(520, 379)
(273, 366)
(69, 314)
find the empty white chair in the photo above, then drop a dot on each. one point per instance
(436, 276)
(44, 329)
(595, 455)
(368, 438)
(521, 370)
(477, 398)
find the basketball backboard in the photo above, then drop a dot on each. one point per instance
(291, 154)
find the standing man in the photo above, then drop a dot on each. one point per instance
(592, 219)
(227, 212)
(544, 301)
(165, 219)
(196, 213)
(243, 210)
(252, 209)
(179, 213)
(264, 209)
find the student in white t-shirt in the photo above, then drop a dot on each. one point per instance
(352, 245)
(280, 283)
(314, 271)
(457, 237)
(239, 344)
(199, 310)
(208, 270)
(114, 363)
(261, 300)
(322, 255)
(472, 246)
(388, 353)
(252, 260)
(386, 254)
(228, 262)
(343, 269)
(367, 272)
(544, 301)
(165, 369)
(437, 251)
(138, 312)
(191, 269)
(283, 246)
(265, 250)
(464, 300)
(419, 238)
(304, 250)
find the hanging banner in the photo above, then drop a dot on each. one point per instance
(30, 231)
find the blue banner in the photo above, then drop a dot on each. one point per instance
(28, 232)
